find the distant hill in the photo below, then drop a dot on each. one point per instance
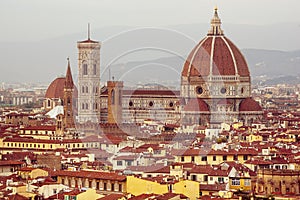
(150, 54)
(268, 65)
(273, 63)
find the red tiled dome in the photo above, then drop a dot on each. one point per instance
(215, 55)
(56, 88)
(249, 104)
(196, 105)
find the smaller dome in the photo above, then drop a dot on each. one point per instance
(196, 105)
(249, 104)
(56, 88)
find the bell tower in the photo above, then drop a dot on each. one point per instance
(114, 102)
(88, 80)
(68, 99)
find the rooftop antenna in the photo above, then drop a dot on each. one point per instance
(88, 31)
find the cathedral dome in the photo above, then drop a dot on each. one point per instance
(249, 104)
(196, 105)
(56, 88)
(215, 55)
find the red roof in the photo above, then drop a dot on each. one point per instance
(201, 169)
(141, 92)
(19, 156)
(199, 152)
(212, 187)
(88, 41)
(56, 88)
(91, 174)
(31, 140)
(28, 169)
(112, 197)
(249, 104)
(10, 162)
(127, 157)
(40, 128)
(171, 196)
(158, 168)
(18, 114)
(143, 197)
(17, 197)
(137, 92)
(196, 105)
(258, 162)
(73, 192)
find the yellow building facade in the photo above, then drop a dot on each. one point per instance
(138, 186)
(89, 194)
(185, 187)
(240, 183)
(8, 145)
(213, 157)
(32, 173)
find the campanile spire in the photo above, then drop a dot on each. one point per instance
(68, 99)
(69, 79)
(89, 33)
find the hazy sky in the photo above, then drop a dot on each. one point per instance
(38, 35)
(33, 20)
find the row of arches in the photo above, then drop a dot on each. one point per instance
(85, 106)
(85, 89)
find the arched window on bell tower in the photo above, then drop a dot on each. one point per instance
(95, 69)
(113, 97)
(84, 68)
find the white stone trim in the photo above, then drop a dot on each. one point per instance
(192, 59)
(212, 56)
(232, 55)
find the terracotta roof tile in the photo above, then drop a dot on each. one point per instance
(112, 197)
(196, 105)
(212, 187)
(249, 104)
(224, 57)
(10, 162)
(56, 88)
